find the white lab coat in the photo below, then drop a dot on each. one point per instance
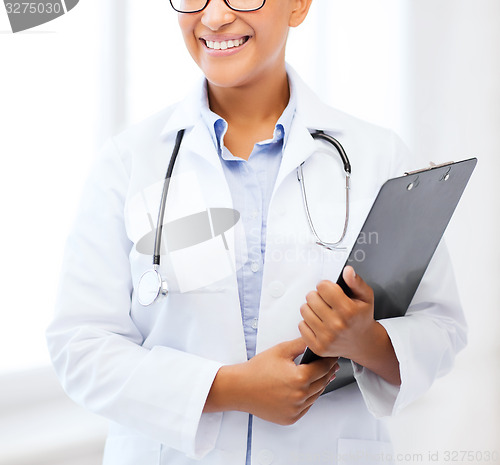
(149, 370)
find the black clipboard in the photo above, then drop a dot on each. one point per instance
(404, 228)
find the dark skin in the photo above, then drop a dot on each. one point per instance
(272, 387)
(336, 325)
(246, 124)
(248, 87)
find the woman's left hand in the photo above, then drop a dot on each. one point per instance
(334, 324)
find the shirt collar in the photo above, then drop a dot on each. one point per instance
(314, 113)
(217, 126)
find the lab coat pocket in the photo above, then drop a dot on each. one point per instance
(364, 452)
(131, 450)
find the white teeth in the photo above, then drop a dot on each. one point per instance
(224, 45)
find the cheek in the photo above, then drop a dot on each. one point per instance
(273, 35)
(187, 29)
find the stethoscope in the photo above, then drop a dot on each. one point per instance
(152, 286)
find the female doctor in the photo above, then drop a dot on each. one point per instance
(206, 372)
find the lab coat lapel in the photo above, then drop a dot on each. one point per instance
(187, 116)
(299, 147)
(311, 114)
(199, 141)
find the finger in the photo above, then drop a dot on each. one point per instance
(318, 304)
(332, 295)
(314, 322)
(316, 389)
(307, 333)
(308, 403)
(318, 370)
(359, 288)
(316, 339)
(303, 412)
(292, 349)
(319, 386)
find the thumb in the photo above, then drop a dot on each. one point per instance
(360, 290)
(292, 349)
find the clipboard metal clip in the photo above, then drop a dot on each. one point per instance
(431, 167)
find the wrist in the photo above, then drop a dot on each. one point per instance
(364, 348)
(377, 354)
(226, 392)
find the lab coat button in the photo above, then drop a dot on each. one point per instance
(276, 289)
(255, 323)
(255, 267)
(265, 457)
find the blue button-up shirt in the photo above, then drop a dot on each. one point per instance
(251, 183)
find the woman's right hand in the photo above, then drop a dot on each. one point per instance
(270, 385)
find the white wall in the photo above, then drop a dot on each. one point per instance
(453, 112)
(49, 112)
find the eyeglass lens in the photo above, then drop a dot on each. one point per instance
(192, 6)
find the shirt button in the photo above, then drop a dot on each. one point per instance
(276, 289)
(255, 323)
(265, 457)
(255, 267)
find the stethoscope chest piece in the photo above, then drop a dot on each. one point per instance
(151, 286)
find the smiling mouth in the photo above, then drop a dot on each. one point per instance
(225, 44)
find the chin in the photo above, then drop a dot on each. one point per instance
(226, 79)
(231, 76)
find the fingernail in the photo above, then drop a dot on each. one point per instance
(353, 273)
(332, 378)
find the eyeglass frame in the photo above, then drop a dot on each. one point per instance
(225, 1)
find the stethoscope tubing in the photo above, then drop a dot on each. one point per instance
(345, 160)
(161, 212)
(162, 287)
(347, 171)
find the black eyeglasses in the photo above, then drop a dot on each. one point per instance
(195, 6)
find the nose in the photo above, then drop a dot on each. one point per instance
(217, 14)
